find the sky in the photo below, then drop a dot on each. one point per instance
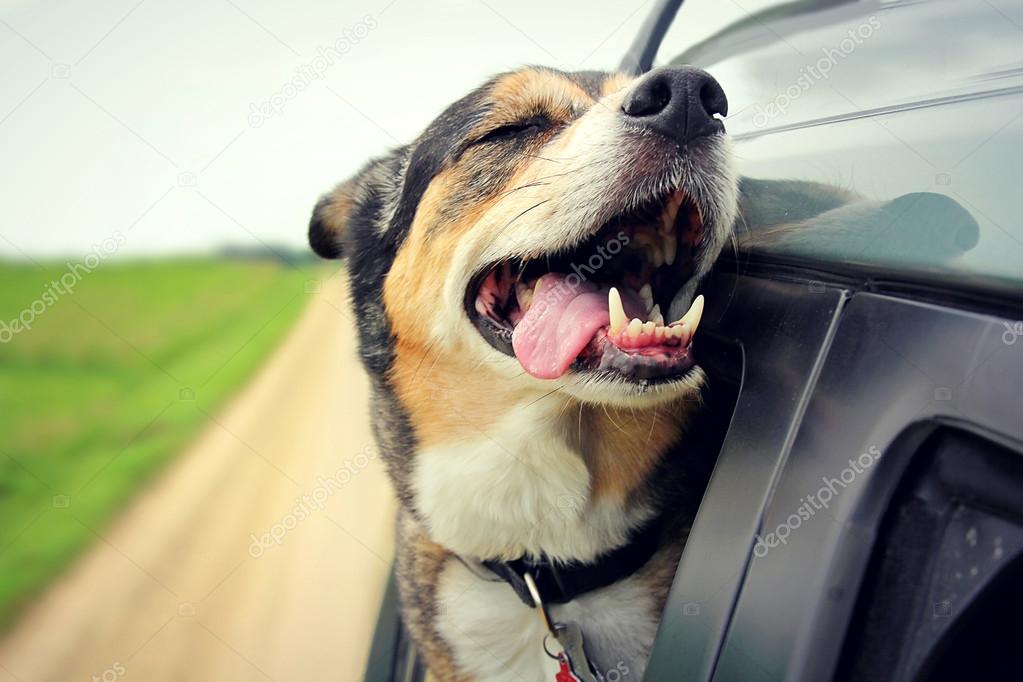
(167, 124)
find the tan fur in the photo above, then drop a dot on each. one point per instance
(622, 446)
(337, 207)
(534, 91)
(421, 265)
(616, 82)
(447, 401)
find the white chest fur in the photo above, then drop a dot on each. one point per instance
(519, 488)
(495, 637)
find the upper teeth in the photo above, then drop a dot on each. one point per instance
(660, 249)
(647, 294)
(670, 247)
(524, 295)
(670, 213)
(617, 311)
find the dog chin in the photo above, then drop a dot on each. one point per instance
(605, 389)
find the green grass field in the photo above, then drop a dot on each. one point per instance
(110, 382)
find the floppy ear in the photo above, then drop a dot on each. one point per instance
(330, 218)
(363, 199)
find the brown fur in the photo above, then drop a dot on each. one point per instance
(621, 447)
(417, 568)
(338, 208)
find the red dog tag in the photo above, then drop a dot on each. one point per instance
(565, 673)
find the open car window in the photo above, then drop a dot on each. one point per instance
(892, 128)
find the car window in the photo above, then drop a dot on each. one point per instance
(894, 128)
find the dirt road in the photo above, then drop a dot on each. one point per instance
(260, 554)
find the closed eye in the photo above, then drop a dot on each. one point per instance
(510, 131)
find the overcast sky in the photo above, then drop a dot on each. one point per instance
(145, 117)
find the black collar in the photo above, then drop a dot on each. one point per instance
(561, 583)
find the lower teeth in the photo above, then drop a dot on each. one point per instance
(635, 333)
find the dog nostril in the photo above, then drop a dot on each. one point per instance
(648, 101)
(713, 99)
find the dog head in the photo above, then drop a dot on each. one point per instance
(548, 230)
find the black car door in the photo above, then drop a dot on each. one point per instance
(863, 520)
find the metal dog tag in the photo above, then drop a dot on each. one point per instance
(570, 637)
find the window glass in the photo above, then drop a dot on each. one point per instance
(887, 133)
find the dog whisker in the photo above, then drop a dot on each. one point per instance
(526, 186)
(532, 402)
(536, 205)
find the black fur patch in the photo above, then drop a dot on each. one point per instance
(435, 149)
(590, 81)
(370, 250)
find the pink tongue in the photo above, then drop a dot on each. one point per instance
(561, 321)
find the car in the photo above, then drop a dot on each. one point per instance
(864, 515)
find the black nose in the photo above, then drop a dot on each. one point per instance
(678, 102)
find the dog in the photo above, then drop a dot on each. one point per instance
(524, 277)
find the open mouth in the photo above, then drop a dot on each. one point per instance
(600, 306)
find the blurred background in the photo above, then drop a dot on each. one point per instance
(188, 487)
